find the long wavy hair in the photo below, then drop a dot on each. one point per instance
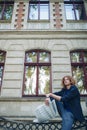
(71, 79)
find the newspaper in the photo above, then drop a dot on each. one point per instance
(44, 113)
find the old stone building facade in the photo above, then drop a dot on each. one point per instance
(55, 33)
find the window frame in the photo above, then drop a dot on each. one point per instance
(37, 64)
(82, 64)
(2, 64)
(5, 3)
(38, 2)
(74, 2)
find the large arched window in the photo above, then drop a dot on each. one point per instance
(37, 73)
(2, 62)
(79, 69)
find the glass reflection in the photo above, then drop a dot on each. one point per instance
(44, 80)
(1, 72)
(38, 10)
(0, 11)
(76, 57)
(8, 12)
(30, 80)
(33, 14)
(85, 57)
(78, 75)
(69, 12)
(44, 57)
(74, 11)
(2, 57)
(44, 11)
(79, 11)
(31, 57)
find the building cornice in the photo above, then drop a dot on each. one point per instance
(41, 34)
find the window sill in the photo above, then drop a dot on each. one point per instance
(38, 21)
(22, 99)
(5, 21)
(76, 21)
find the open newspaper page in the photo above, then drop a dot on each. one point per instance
(45, 113)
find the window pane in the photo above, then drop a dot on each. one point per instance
(31, 57)
(79, 11)
(44, 57)
(8, 12)
(44, 80)
(2, 57)
(30, 81)
(85, 80)
(78, 75)
(44, 11)
(1, 11)
(85, 56)
(36, 73)
(33, 14)
(69, 12)
(76, 57)
(1, 73)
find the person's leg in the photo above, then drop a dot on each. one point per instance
(67, 120)
(67, 117)
(60, 107)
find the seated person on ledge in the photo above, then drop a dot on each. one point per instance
(68, 103)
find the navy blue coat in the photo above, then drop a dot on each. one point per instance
(71, 100)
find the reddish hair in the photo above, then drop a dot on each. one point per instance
(71, 79)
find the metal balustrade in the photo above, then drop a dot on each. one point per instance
(6, 124)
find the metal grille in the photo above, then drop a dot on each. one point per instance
(19, 125)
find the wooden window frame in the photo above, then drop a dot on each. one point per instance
(73, 2)
(38, 2)
(37, 64)
(5, 3)
(2, 65)
(80, 64)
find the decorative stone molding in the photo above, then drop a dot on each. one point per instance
(19, 15)
(47, 34)
(57, 15)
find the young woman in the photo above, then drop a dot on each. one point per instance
(68, 103)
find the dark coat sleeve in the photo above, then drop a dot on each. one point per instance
(60, 93)
(72, 94)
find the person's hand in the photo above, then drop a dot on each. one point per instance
(48, 95)
(47, 101)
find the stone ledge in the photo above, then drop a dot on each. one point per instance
(27, 118)
(41, 34)
(23, 99)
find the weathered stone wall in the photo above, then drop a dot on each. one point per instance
(15, 44)
(57, 35)
(57, 19)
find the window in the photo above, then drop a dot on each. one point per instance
(37, 73)
(38, 10)
(2, 62)
(74, 10)
(79, 69)
(6, 9)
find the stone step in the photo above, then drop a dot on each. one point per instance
(30, 119)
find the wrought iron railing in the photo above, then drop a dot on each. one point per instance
(6, 124)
